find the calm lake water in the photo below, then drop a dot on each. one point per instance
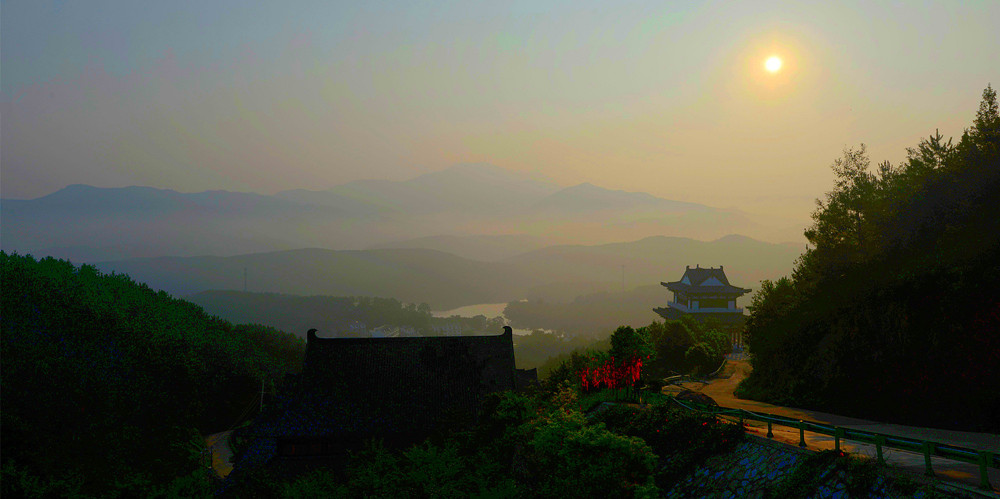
(490, 310)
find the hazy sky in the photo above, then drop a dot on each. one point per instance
(669, 98)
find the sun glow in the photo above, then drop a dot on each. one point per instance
(773, 64)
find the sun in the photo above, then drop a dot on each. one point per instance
(773, 64)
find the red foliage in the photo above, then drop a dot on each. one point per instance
(611, 374)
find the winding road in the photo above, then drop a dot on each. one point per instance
(721, 390)
(218, 445)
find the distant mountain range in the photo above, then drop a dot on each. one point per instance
(486, 248)
(446, 281)
(467, 190)
(461, 209)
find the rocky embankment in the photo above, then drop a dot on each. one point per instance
(763, 468)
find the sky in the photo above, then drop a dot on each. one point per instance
(670, 98)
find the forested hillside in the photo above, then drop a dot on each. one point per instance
(443, 280)
(895, 311)
(589, 314)
(330, 315)
(446, 281)
(108, 385)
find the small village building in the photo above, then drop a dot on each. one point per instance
(402, 385)
(396, 389)
(703, 293)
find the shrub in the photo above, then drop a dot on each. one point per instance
(566, 454)
(684, 439)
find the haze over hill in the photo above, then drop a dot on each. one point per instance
(88, 224)
(481, 247)
(446, 281)
(331, 165)
(477, 189)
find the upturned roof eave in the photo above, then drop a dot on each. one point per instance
(687, 288)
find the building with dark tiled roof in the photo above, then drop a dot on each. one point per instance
(396, 389)
(703, 293)
(409, 384)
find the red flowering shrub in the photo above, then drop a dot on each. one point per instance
(610, 373)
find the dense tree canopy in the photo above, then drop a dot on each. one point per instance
(331, 315)
(666, 348)
(894, 312)
(105, 380)
(587, 315)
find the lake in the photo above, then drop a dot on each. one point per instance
(490, 310)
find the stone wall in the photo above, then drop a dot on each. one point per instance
(763, 468)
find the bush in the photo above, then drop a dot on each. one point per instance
(684, 439)
(568, 455)
(701, 356)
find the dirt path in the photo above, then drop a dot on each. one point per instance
(721, 390)
(218, 445)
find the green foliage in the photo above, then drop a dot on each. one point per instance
(319, 483)
(700, 354)
(16, 481)
(863, 477)
(894, 312)
(544, 349)
(587, 315)
(807, 477)
(423, 470)
(105, 380)
(685, 346)
(199, 484)
(502, 411)
(671, 339)
(666, 348)
(628, 343)
(328, 314)
(437, 471)
(566, 454)
(563, 369)
(685, 439)
(537, 445)
(375, 471)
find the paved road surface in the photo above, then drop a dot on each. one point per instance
(721, 390)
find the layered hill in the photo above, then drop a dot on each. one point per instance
(445, 281)
(650, 261)
(90, 224)
(476, 247)
(409, 275)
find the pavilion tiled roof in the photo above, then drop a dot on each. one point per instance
(696, 278)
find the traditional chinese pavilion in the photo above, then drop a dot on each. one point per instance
(703, 293)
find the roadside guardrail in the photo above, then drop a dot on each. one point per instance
(983, 459)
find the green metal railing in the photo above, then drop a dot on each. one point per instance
(928, 448)
(681, 378)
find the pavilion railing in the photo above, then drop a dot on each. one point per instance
(983, 459)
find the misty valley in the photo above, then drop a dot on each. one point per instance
(250, 250)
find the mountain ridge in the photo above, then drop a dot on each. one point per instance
(447, 281)
(88, 224)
